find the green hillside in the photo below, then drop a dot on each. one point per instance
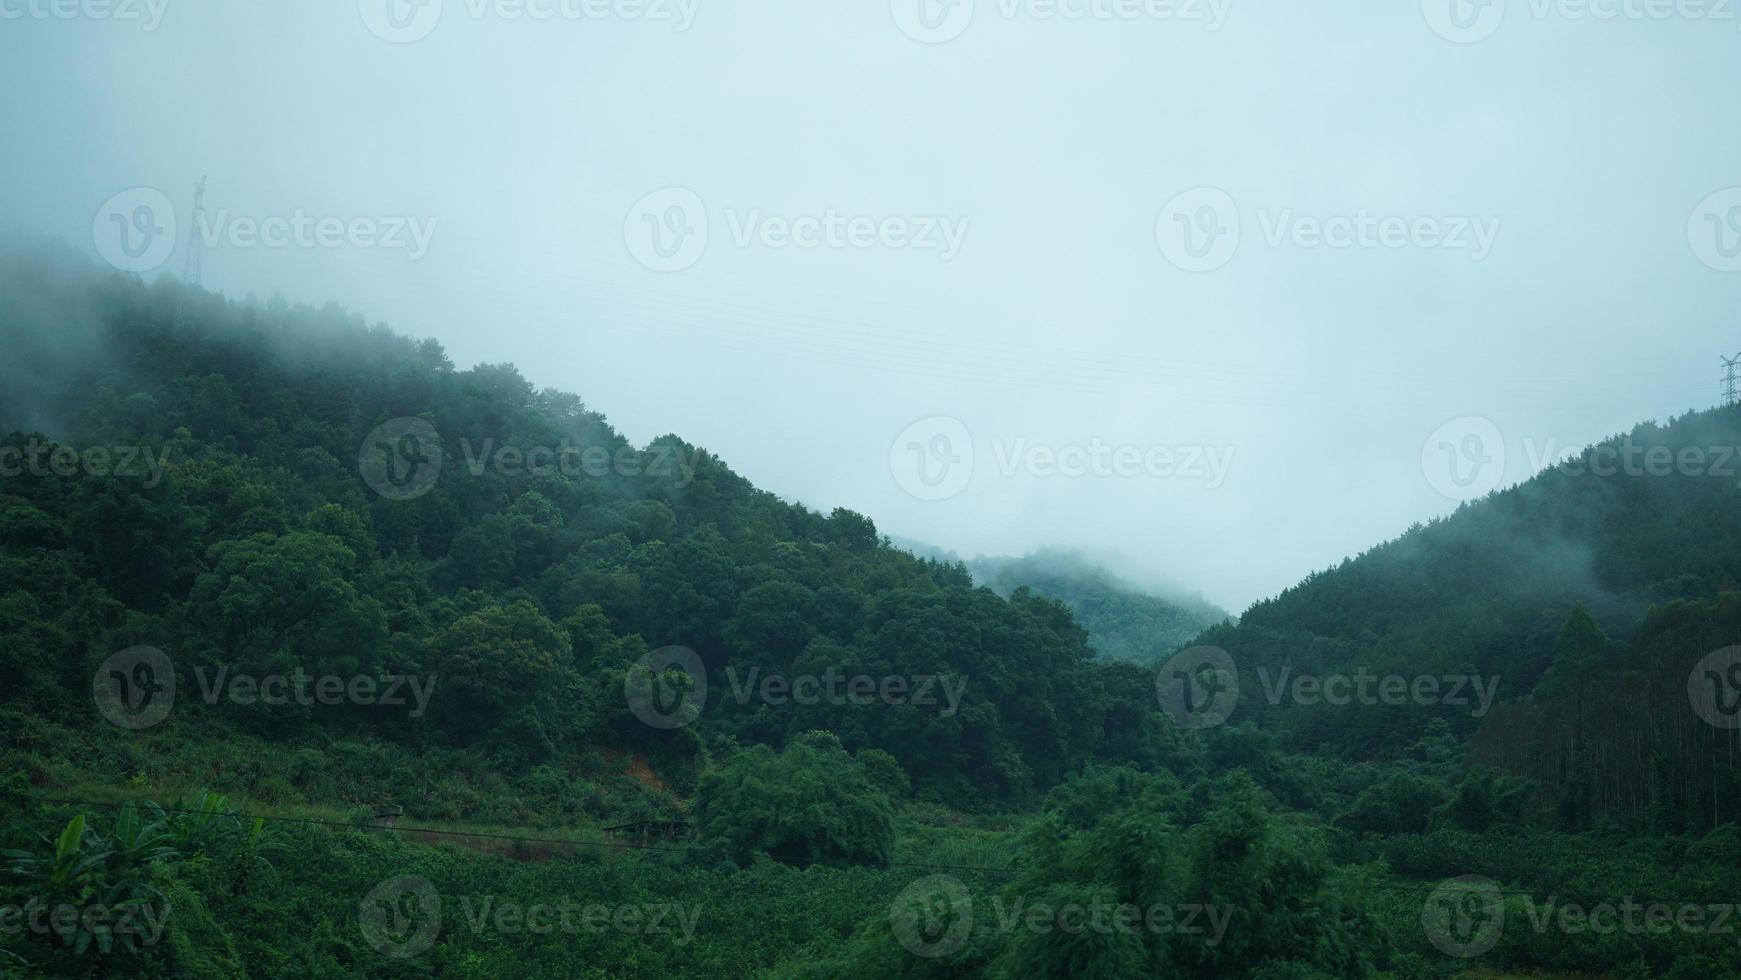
(1125, 621)
(1488, 591)
(321, 656)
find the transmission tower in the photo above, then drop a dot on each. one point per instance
(192, 267)
(1731, 383)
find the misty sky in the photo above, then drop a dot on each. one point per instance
(1012, 243)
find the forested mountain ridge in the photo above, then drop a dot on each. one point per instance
(1617, 535)
(252, 492)
(1648, 518)
(524, 576)
(1125, 621)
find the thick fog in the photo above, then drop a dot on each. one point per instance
(1192, 284)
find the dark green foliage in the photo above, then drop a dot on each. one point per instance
(252, 544)
(808, 804)
(1136, 891)
(124, 888)
(1484, 801)
(1488, 590)
(529, 593)
(1402, 804)
(1613, 734)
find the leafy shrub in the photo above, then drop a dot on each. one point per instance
(809, 804)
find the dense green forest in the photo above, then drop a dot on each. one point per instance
(321, 656)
